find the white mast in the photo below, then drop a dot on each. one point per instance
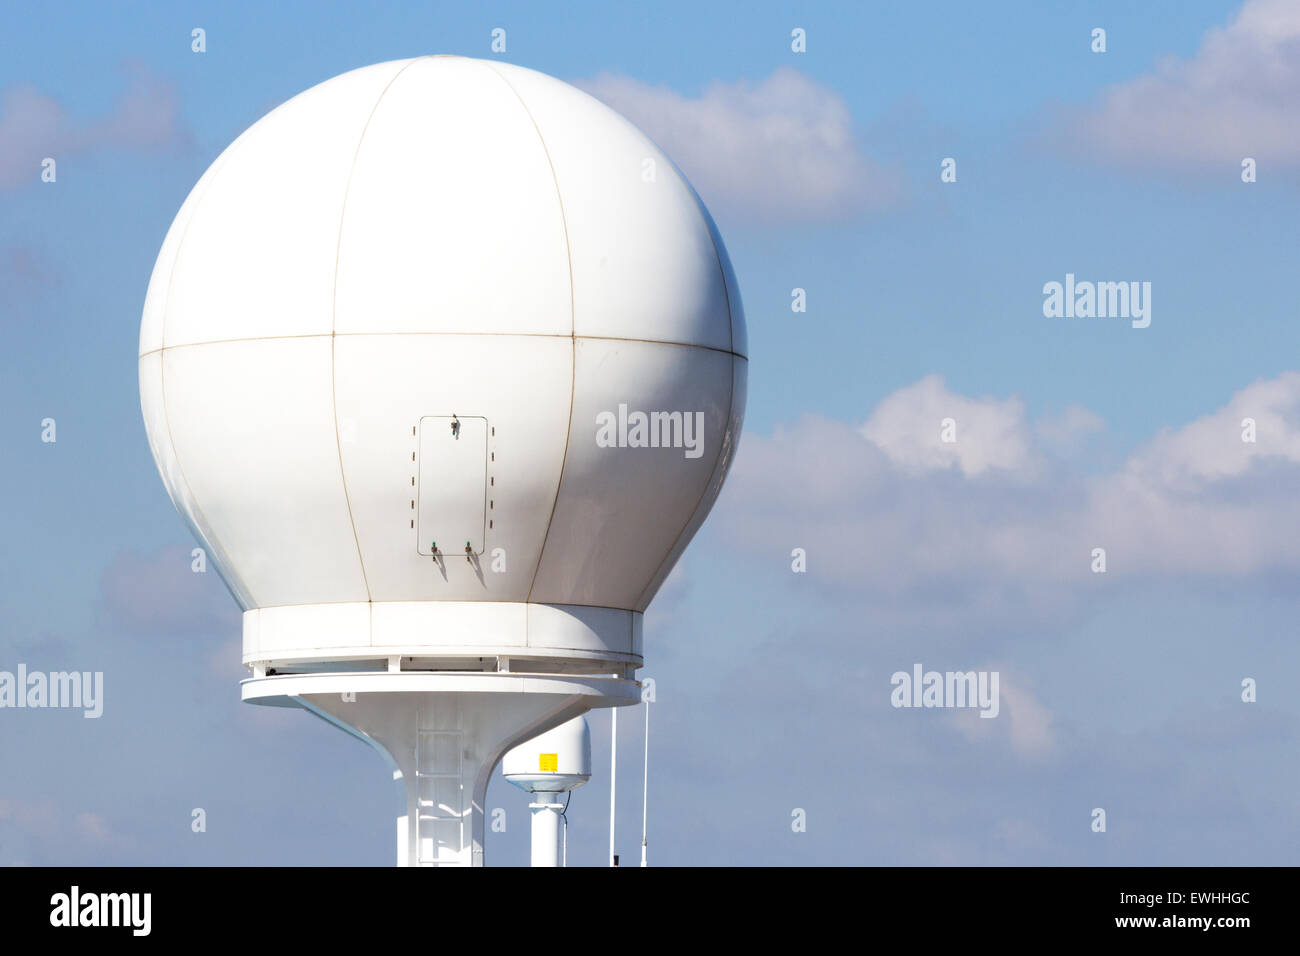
(645, 780)
(613, 777)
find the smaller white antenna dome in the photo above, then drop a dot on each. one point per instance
(554, 762)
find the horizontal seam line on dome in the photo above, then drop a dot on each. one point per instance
(422, 601)
(532, 335)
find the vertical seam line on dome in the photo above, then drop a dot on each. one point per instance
(731, 392)
(722, 270)
(338, 246)
(573, 337)
(236, 586)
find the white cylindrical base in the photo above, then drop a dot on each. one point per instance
(546, 829)
(442, 735)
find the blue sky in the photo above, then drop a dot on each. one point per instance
(924, 300)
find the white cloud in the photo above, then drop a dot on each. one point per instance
(998, 525)
(40, 816)
(1065, 431)
(1211, 448)
(1030, 719)
(34, 125)
(38, 831)
(782, 150)
(1238, 96)
(990, 433)
(92, 826)
(1023, 721)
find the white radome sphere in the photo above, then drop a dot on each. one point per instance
(407, 243)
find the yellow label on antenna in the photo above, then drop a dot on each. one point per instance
(547, 763)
